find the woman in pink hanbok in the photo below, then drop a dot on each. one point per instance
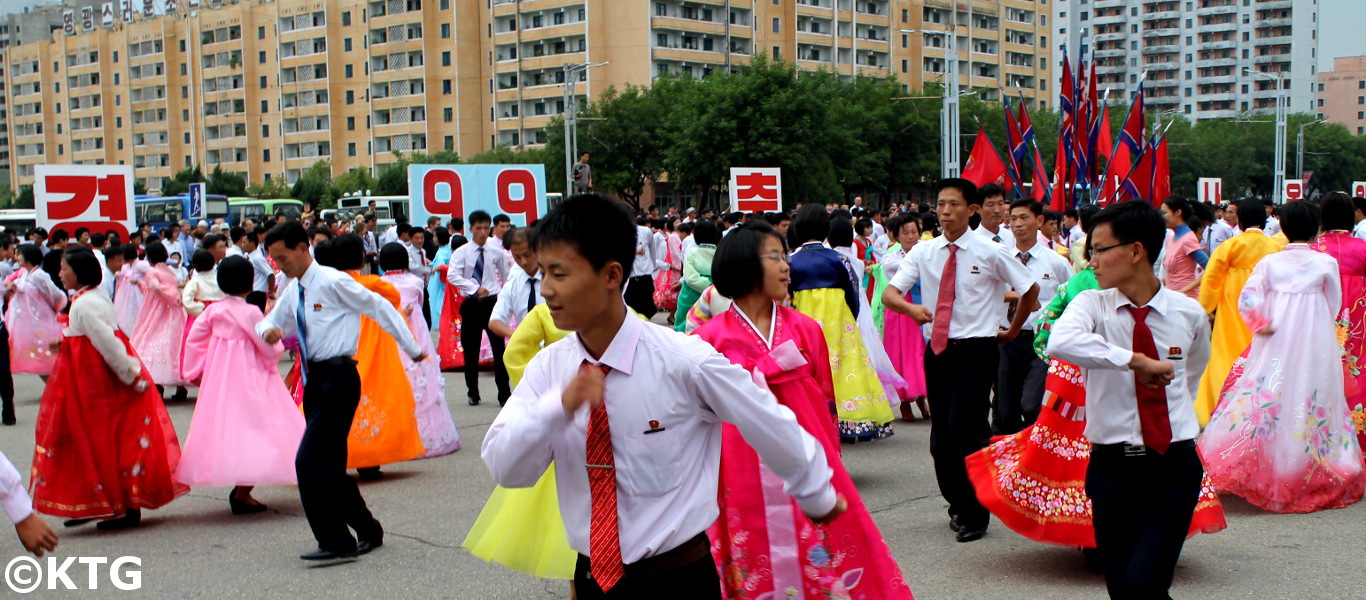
(246, 429)
(34, 301)
(1338, 242)
(434, 423)
(1281, 436)
(127, 293)
(161, 322)
(903, 338)
(764, 547)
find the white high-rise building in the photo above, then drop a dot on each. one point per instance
(1196, 52)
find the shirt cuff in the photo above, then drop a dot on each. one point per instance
(1120, 357)
(18, 506)
(820, 504)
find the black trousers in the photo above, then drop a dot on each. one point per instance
(1019, 386)
(474, 322)
(640, 295)
(959, 385)
(1142, 508)
(6, 377)
(330, 498)
(696, 580)
(257, 299)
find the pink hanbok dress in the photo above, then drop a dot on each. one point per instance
(765, 548)
(246, 429)
(434, 423)
(32, 321)
(1350, 253)
(1281, 436)
(903, 338)
(161, 323)
(128, 294)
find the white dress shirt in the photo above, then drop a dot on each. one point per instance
(1359, 231)
(334, 303)
(985, 271)
(689, 244)
(461, 271)
(1272, 227)
(645, 262)
(1002, 235)
(667, 480)
(1096, 333)
(417, 261)
(18, 506)
(511, 305)
(261, 271)
(1049, 270)
(107, 282)
(661, 250)
(234, 250)
(1216, 234)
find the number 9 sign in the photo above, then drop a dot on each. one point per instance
(96, 197)
(457, 190)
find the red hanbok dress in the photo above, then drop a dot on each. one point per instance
(765, 547)
(101, 447)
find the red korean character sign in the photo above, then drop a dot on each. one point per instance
(446, 191)
(756, 189)
(1293, 190)
(1211, 190)
(1359, 189)
(96, 197)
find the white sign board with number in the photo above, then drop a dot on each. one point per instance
(756, 189)
(1211, 190)
(96, 197)
(446, 191)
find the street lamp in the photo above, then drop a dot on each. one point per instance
(571, 121)
(1282, 106)
(1299, 147)
(948, 118)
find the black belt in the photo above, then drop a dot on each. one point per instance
(684, 554)
(339, 361)
(1137, 449)
(650, 277)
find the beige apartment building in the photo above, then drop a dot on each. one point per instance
(1342, 93)
(268, 88)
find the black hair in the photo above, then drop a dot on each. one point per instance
(478, 217)
(393, 257)
(1085, 214)
(733, 218)
(1052, 215)
(211, 240)
(156, 254)
(1135, 222)
(130, 251)
(323, 255)
(81, 230)
(841, 233)
(416, 230)
(97, 239)
(863, 225)
(456, 223)
(236, 234)
(516, 235)
(31, 254)
(990, 189)
(1251, 213)
(85, 265)
(291, 233)
(706, 232)
(1359, 203)
(111, 253)
(840, 213)
(1338, 212)
(501, 218)
(1033, 206)
(402, 229)
(202, 260)
(59, 235)
(685, 227)
(317, 230)
(235, 275)
(812, 224)
(348, 252)
(965, 187)
(1195, 215)
(599, 229)
(443, 236)
(737, 269)
(1300, 220)
(1071, 212)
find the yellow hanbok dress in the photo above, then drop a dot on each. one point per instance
(1220, 286)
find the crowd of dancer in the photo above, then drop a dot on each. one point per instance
(1066, 362)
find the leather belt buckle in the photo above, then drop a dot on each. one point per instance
(1132, 450)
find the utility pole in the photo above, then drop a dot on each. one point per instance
(1299, 148)
(571, 121)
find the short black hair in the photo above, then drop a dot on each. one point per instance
(235, 275)
(1135, 222)
(416, 231)
(81, 230)
(393, 257)
(443, 236)
(1300, 220)
(156, 254)
(59, 235)
(478, 217)
(599, 229)
(841, 233)
(111, 253)
(501, 218)
(733, 218)
(1339, 212)
(97, 239)
(1251, 213)
(1071, 212)
(1033, 206)
(456, 223)
(211, 240)
(348, 252)
(1359, 203)
(685, 228)
(965, 187)
(811, 224)
(31, 254)
(990, 189)
(289, 232)
(86, 266)
(322, 253)
(318, 230)
(1052, 215)
(863, 225)
(236, 234)
(402, 229)
(736, 269)
(202, 260)
(706, 232)
(130, 251)
(516, 235)
(1085, 214)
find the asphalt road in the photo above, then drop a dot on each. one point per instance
(194, 548)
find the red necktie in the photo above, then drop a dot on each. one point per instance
(604, 537)
(943, 307)
(1152, 402)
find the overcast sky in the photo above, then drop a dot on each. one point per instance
(1339, 34)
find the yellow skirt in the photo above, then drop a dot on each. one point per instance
(521, 528)
(864, 412)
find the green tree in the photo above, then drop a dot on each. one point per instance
(180, 182)
(314, 187)
(139, 187)
(25, 199)
(623, 132)
(226, 183)
(274, 187)
(358, 179)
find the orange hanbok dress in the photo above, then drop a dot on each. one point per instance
(384, 430)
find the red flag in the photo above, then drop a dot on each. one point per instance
(1115, 170)
(984, 164)
(1162, 174)
(1059, 192)
(1104, 143)
(1139, 185)
(1039, 187)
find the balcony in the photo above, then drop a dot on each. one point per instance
(1161, 32)
(1272, 58)
(1163, 49)
(1274, 4)
(1166, 65)
(689, 25)
(1219, 45)
(1159, 15)
(1278, 22)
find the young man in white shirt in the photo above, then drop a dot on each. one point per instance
(263, 278)
(1144, 348)
(323, 306)
(963, 279)
(477, 270)
(994, 212)
(523, 290)
(640, 288)
(1020, 377)
(34, 533)
(637, 490)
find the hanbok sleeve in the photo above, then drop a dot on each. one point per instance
(525, 342)
(196, 349)
(850, 285)
(692, 275)
(1252, 300)
(1212, 282)
(1332, 289)
(159, 285)
(97, 322)
(188, 298)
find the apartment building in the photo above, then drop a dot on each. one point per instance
(1342, 93)
(1194, 55)
(268, 88)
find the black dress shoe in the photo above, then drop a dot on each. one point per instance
(969, 534)
(474, 400)
(75, 522)
(9, 420)
(321, 554)
(365, 546)
(954, 524)
(369, 474)
(503, 400)
(242, 508)
(129, 520)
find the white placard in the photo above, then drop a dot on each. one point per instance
(756, 189)
(1210, 190)
(1293, 190)
(1359, 189)
(97, 197)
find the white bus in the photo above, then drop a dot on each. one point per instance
(386, 207)
(18, 221)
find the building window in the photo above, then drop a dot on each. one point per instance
(261, 32)
(346, 45)
(261, 57)
(116, 56)
(265, 155)
(350, 96)
(445, 86)
(184, 91)
(187, 140)
(118, 122)
(777, 53)
(450, 142)
(265, 131)
(446, 58)
(346, 19)
(349, 71)
(777, 25)
(120, 144)
(350, 123)
(263, 82)
(447, 114)
(445, 30)
(182, 45)
(350, 148)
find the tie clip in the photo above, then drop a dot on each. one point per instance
(600, 466)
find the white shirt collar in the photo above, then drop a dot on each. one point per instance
(621, 353)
